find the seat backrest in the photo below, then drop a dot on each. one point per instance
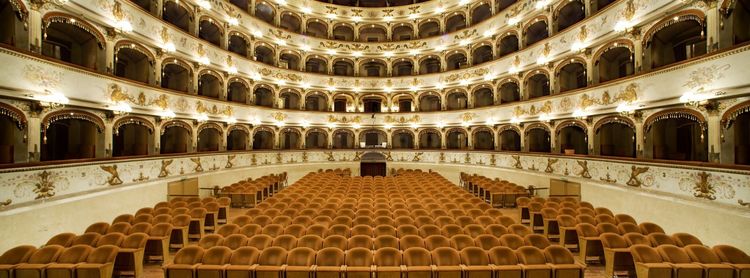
(531, 255)
(358, 256)
(386, 241)
(330, 256)
(410, 241)
(338, 229)
(473, 230)
(566, 221)
(557, 254)
(111, 239)
(211, 240)
(451, 230)
(650, 228)
(460, 242)
(486, 241)
(636, 238)
(120, 227)
(731, 254)
(273, 255)
(142, 227)
(234, 241)
(685, 239)
(301, 256)
(387, 256)
(624, 218)
(673, 254)
(364, 241)
(251, 229)
(337, 241)
(246, 255)
(474, 256)
(273, 229)
(613, 240)
(536, 240)
(317, 229)
(404, 230)
(445, 256)
(217, 255)
(103, 254)
(63, 239)
(496, 230)
(417, 256)
(18, 254)
(586, 230)
(362, 230)
(228, 229)
(660, 239)
(260, 242)
(519, 229)
(428, 230)
(605, 218)
(74, 254)
(313, 242)
(502, 255)
(607, 228)
(189, 255)
(512, 241)
(702, 254)
(288, 242)
(99, 227)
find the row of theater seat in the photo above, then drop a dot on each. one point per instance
(415, 262)
(497, 192)
(82, 261)
(431, 242)
(250, 192)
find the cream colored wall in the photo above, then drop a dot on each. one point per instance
(712, 223)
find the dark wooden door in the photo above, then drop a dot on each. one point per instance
(372, 169)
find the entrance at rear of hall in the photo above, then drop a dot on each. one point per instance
(373, 164)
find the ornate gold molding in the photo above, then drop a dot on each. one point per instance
(635, 172)
(114, 178)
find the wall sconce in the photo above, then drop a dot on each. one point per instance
(515, 120)
(388, 126)
(357, 126)
(167, 115)
(201, 118)
(49, 99)
(230, 120)
(121, 109)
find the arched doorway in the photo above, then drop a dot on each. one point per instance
(615, 136)
(373, 138)
(263, 96)
(176, 75)
(430, 139)
(676, 134)
(615, 61)
(237, 91)
(571, 13)
(736, 134)
(13, 126)
(510, 139)
(484, 139)
(73, 41)
(373, 164)
(538, 138)
(537, 85)
(175, 137)
(509, 92)
(71, 134)
(290, 139)
(536, 32)
(316, 139)
(210, 84)
(343, 139)
(572, 138)
(456, 139)
(572, 76)
(290, 99)
(429, 102)
(263, 139)
(237, 138)
(457, 100)
(316, 101)
(671, 41)
(402, 139)
(132, 136)
(12, 26)
(210, 137)
(133, 62)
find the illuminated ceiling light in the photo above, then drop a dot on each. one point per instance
(357, 126)
(305, 124)
(463, 2)
(306, 10)
(623, 25)
(280, 123)
(357, 53)
(465, 124)
(230, 120)
(515, 120)
(489, 77)
(255, 76)
(232, 70)
(544, 117)
(439, 10)
(388, 126)
(258, 33)
(331, 88)
(388, 54)
(357, 18)
(490, 121)
(580, 114)
(305, 48)
(414, 88)
(203, 60)
(514, 20)
(167, 115)
(541, 60)
(357, 89)
(233, 21)
(387, 18)
(541, 4)
(281, 82)
(388, 89)
(280, 42)
(169, 47)
(513, 70)
(201, 118)
(440, 124)
(256, 121)
(463, 42)
(281, 2)
(414, 52)
(331, 125)
(121, 108)
(488, 33)
(331, 51)
(124, 26)
(305, 85)
(577, 46)
(440, 85)
(204, 4)
(414, 125)
(440, 48)
(412, 16)
(464, 82)
(331, 16)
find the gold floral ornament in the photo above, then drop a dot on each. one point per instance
(417, 157)
(703, 188)
(634, 173)
(402, 119)
(546, 108)
(118, 94)
(466, 34)
(630, 9)
(516, 161)
(493, 160)
(583, 34)
(467, 158)
(45, 187)
(201, 108)
(628, 95)
(584, 173)
(6, 203)
(198, 166)
(550, 165)
(114, 178)
(476, 73)
(230, 158)
(468, 117)
(279, 160)
(344, 119)
(388, 156)
(164, 172)
(330, 156)
(304, 157)
(278, 116)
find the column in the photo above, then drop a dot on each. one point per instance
(553, 140)
(640, 139)
(388, 138)
(356, 139)
(250, 138)
(388, 33)
(157, 137)
(443, 138)
(713, 27)
(329, 141)
(276, 139)
(109, 56)
(33, 138)
(638, 55)
(35, 30)
(714, 137)
(591, 134)
(469, 139)
(108, 131)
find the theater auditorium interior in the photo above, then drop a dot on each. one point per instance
(374, 138)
